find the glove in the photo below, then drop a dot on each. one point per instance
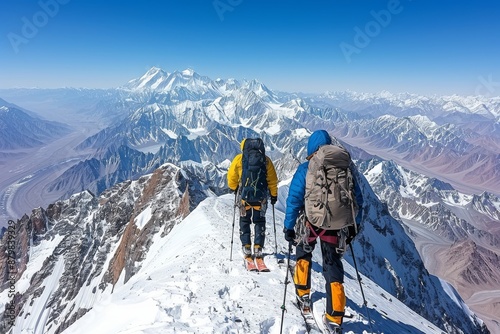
(289, 235)
(236, 190)
(274, 199)
(351, 234)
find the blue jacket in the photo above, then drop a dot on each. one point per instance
(295, 201)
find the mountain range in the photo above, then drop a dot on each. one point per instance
(21, 129)
(431, 165)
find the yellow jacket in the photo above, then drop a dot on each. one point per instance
(235, 170)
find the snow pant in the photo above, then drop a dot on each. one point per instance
(259, 219)
(333, 272)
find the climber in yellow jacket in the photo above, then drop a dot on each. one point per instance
(252, 176)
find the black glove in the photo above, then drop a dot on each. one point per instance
(289, 235)
(274, 199)
(351, 234)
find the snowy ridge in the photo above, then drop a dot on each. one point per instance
(171, 293)
(132, 251)
(174, 294)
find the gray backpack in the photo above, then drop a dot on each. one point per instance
(329, 196)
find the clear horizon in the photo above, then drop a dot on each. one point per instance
(420, 47)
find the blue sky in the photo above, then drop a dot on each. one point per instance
(420, 46)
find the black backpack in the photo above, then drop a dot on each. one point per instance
(253, 183)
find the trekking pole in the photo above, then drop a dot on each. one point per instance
(361, 287)
(275, 241)
(232, 233)
(283, 308)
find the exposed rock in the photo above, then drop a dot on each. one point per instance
(87, 230)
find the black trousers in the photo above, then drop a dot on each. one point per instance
(333, 272)
(259, 220)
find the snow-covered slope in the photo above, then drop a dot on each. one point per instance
(188, 285)
(140, 255)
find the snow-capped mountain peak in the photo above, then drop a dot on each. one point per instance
(188, 84)
(189, 72)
